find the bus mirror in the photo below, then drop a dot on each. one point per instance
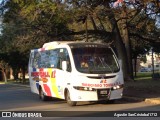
(64, 65)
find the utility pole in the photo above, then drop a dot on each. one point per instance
(152, 64)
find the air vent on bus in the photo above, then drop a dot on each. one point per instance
(101, 77)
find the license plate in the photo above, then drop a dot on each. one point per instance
(103, 92)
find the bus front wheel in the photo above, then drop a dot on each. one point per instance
(68, 99)
(42, 96)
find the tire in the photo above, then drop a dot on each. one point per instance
(68, 99)
(42, 96)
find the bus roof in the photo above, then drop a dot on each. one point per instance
(55, 43)
(52, 45)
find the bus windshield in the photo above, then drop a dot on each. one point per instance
(94, 60)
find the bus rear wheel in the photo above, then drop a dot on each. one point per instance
(68, 99)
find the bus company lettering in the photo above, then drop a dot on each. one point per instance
(43, 74)
(100, 85)
(91, 85)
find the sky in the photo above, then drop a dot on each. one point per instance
(152, 15)
(150, 11)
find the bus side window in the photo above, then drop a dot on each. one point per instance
(36, 60)
(31, 59)
(68, 61)
(64, 56)
(53, 58)
(45, 61)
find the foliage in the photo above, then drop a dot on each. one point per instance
(28, 24)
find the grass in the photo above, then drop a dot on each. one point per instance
(144, 75)
(1, 82)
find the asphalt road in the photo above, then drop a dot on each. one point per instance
(19, 98)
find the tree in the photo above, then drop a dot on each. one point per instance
(133, 17)
(3, 67)
(139, 48)
(35, 22)
(23, 30)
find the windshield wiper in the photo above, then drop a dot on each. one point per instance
(105, 64)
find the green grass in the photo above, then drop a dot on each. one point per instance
(144, 75)
(1, 82)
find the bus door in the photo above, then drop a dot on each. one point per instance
(63, 76)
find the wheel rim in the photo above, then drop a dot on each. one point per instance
(69, 101)
(41, 94)
(68, 97)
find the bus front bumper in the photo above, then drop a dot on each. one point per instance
(96, 94)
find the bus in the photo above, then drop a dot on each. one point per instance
(75, 71)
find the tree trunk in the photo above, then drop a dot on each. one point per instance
(15, 74)
(23, 74)
(93, 23)
(86, 29)
(135, 66)
(103, 28)
(127, 41)
(122, 54)
(128, 50)
(7, 73)
(4, 76)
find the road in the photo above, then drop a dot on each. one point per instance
(19, 98)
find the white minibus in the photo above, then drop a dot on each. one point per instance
(75, 71)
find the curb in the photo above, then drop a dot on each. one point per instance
(153, 101)
(18, 84)
(146, 100)
(133, 98)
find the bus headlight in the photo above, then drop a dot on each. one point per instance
(117, 87)
(84, 88)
